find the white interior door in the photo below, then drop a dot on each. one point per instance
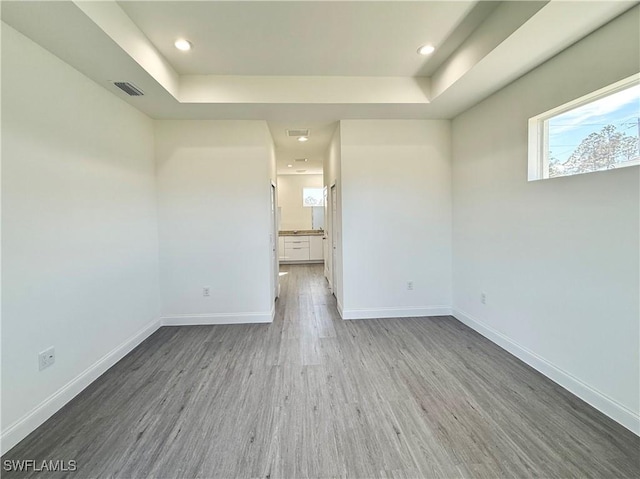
(334, 238)
(274, 243)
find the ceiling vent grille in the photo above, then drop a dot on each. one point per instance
(128, 88)
(301, 160)
(299, 132)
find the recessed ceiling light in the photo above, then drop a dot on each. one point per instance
(426, 50)
(182, 44)
(303, 138)
(289, 166)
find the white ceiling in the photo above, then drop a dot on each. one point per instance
(307, 64)
(289, 149)
(297, 38)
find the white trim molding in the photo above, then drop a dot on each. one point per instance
(28, 423)
(539, 129)
(218, 318)
(378, 313)
(603, 403)
(24, 426)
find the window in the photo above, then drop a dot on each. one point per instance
(312, 197)
(596, 132)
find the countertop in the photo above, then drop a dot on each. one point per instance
(301, 233)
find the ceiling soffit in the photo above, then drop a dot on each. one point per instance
(481, 37)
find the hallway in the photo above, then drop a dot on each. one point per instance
(312, 396)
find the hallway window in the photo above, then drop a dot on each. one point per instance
(600, 131)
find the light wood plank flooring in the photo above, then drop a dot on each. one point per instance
(312, 396)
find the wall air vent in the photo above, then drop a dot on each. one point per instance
(303, 160)
(299, 132)
(129, 88)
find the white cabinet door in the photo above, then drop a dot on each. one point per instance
(296, 241)
(316, 251)
(297, 253)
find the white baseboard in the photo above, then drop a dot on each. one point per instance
(218, 318)
(395, 312)
(340, 310)
(20, 429)
(595, 398)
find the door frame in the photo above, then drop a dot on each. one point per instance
(274, 240)
(326, 249)
(334, 238)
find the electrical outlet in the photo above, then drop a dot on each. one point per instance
(46, 358)
(410, 285)
(206, 291)
(483, 298)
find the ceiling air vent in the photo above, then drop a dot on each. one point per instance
(129, 88)
(303, 160)
(299, 132)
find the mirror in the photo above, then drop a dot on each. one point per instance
(300, 202)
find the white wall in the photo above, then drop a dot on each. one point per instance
(214, 220)
(396, 217)
(558, 259)
(79, 236)
(294, 216)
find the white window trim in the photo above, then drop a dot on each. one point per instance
(539, 126)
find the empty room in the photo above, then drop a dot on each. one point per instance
(318, 239)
